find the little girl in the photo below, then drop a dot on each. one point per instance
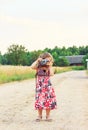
(45, 98)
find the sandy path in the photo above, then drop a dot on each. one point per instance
(17, 104)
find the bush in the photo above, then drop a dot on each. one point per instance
(62, 61)
(78, 67)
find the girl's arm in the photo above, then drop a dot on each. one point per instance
(51, 71)
(35, 63)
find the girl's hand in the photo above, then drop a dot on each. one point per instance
(39, 59)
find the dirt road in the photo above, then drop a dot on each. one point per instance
(17, 104)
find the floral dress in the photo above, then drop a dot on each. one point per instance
(45, 97)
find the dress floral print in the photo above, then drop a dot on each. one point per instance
(45, 95)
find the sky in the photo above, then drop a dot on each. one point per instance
(40, 24)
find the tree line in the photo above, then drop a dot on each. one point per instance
(19, 55)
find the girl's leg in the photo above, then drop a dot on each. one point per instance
(39, 115)
(48, 115)
(47, 112)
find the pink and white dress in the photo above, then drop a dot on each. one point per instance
(45, 97)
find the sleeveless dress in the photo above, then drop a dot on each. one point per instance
(45, 97)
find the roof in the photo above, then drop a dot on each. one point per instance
(76, 59)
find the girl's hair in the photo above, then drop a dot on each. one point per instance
(47, 55)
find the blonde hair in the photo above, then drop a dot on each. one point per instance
(47, 55)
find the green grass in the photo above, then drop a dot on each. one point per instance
(15, 73)
(61, 69)
(78, 68)
(16, 77)
(18, 73)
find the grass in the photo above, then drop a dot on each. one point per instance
(17, 73)
(61, 69)
(78, 67)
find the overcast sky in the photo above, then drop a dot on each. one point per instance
(37, 24)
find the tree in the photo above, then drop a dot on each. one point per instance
(55, 56)
(63, 51)
(17, 55)
(32, 56)
(73, 50)
(0, 58)
(62, 61)
(4, 59)
(83, 50)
